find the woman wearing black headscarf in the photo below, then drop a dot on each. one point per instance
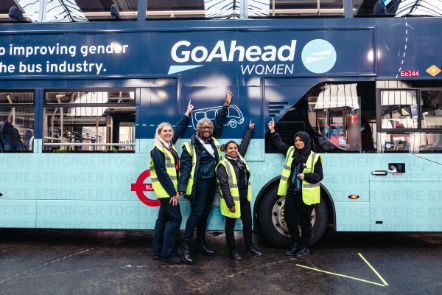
(300, 183)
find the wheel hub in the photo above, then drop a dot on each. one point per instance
(278, 217)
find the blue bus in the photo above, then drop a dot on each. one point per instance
(83, 85)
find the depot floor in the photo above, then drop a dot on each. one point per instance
(119, 262)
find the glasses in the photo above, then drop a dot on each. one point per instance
(206, 127)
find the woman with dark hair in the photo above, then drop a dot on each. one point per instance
(233, 175)
(300, 184)
(164, 168)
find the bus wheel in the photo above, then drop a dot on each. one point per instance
(272, 220)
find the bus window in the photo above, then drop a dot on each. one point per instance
(334, 113)
(89, 121)
(399, 109)
(416, 142)
(16, 121)
(340, 117)
(411, 119)
(431, 102)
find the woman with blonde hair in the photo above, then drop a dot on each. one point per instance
(164, 168)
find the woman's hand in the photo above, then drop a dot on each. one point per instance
(232, 209)
(300, 176)
(174, 200)
(189, 108)
(251, 125)
(272, 126)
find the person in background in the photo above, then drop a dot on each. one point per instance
(300, 185)
(233, 176)
(198, 180)
(164, 168)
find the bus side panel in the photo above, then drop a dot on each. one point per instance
(352, 216)
(17, 213)
(87, 214)
(407, 201)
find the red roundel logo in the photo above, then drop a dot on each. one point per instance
(139, 187)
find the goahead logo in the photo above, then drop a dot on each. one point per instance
(253, 59)
(318, 56)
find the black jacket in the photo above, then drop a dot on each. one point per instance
(222, 174)
(315, 177)
(159, 159)
(186, 158)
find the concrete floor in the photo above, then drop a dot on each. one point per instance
(94, 262)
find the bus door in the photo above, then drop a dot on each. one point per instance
(331, 112)
(405, 179)
(158, 103)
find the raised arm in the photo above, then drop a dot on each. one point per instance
(221, 116)
(246, 139)
(276, 139)
(181, 126)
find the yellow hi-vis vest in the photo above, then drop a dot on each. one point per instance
(191, 150)
(159, 190)
(234, 192)
(311, 192)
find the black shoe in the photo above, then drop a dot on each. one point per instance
(203, 249)
(253, 251)
(172, 259)
(235, 256)
(186, 257)
(156, 257)
(293, 251)
(302, 253)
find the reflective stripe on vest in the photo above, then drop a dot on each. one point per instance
(159, 190)
(191, 150)
(234, 192)
(311, 192)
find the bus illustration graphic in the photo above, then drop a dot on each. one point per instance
(234, 115)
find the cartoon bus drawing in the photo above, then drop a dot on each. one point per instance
(234, 115)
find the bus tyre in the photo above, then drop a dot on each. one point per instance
(274, 227)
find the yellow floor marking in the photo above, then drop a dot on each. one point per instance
(341, 275)
(384, 283)
(374, 270)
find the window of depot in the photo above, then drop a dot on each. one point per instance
(193, 9)
(67, 10)
(16, 121)
(287, 8)
(89, 121)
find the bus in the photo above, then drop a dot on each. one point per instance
(83, 88)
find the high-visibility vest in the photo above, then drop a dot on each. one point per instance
(191, 150)
(159, 190)
(311, 192)
(234, 192)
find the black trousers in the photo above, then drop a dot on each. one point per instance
(167, 228)
(298, 213)
(246, 218)
(200, 205)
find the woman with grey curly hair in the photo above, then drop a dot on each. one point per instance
(198, 180)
